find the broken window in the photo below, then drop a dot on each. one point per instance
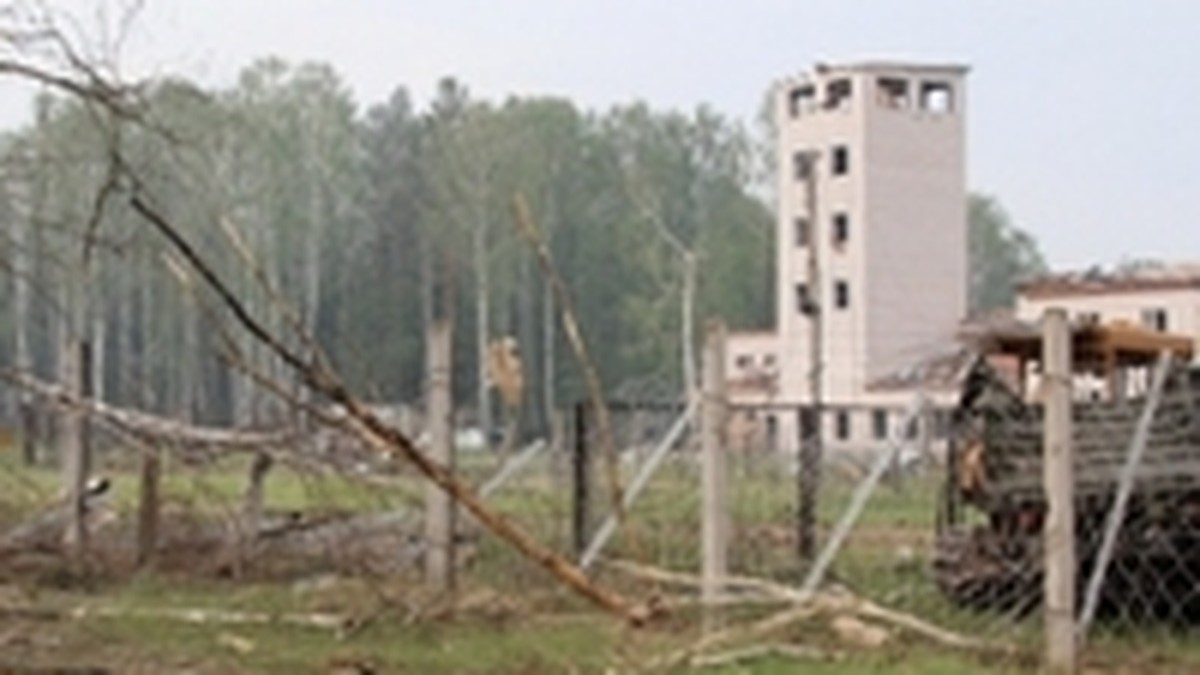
(841, 228)
(837, 94)
(937, 97)
(879, 424)
(842, 424)
(800, 99)
(892, 92)
(841, 294)
(802, 164)
(800, 225)
(840, 165)
(1155, 318)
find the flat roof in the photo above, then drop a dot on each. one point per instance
(1093, 345)
(889, 65)
(1060, 287)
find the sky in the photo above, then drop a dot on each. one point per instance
(1081, 113)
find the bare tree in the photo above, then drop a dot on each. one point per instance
(287, 343)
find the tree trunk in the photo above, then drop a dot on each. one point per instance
(687, 327)
(483, 290)
(549, 335)
(22, 360)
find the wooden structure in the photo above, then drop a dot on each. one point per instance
(996, 461)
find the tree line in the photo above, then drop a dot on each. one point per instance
(370, 222)
(365, 221)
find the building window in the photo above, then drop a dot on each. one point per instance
(1155, 318)
(842, 425)
(743, 361)
(937, 97)
(1089, 318)
(837, 94)
(769, 361)
(802, 164)
(841, 294)
(841, 228)
(879, 424)
(800, 225)
(892, 92)
(841, 160)
(808, 423)
(804, 303)
(800, 99)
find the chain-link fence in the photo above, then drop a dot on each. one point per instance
(947, 530)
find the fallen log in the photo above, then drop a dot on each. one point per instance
(148, 427)
(821, 601)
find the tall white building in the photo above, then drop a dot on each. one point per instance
(888, 231)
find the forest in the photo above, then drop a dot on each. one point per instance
(355, 215)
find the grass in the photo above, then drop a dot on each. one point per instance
(546, 630)
(533, 641)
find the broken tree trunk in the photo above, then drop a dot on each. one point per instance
(384, 438)
(148, 427)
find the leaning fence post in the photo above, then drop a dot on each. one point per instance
(1059, 484)
(714, 526)
(439, 507)
(1116, 514)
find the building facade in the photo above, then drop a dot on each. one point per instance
(1164, 299)
(872, 183)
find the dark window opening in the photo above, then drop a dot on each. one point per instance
(837, 94)
(769, 361)
(1089, 318)
(800, 99)
(842, 430)
(801, 230)
(937, 97)
(808, 423)
(804, 302)
(841, 160)
(892, 92)
(802, 164)
(912, 429)
(743, 361)
(772, 432)
(841, 292)
(879, 424)
(1155, 319)
(841, 228)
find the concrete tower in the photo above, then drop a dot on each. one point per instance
(889, 232)
(890, 223)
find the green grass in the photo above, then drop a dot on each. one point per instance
(885, 559)
(528, 640)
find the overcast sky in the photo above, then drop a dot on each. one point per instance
(1082, 114)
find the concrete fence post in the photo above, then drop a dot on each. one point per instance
(439, 507)
(1059, 483)
(714, 480)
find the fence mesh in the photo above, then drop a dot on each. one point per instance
(951, 536)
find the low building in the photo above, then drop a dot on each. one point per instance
(1163, 298)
